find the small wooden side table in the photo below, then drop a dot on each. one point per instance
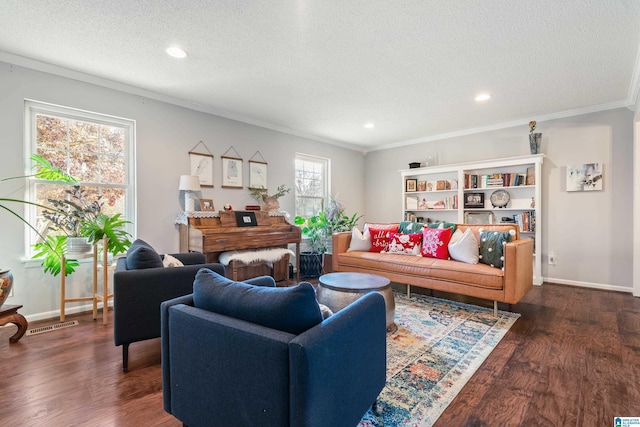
(9, 314)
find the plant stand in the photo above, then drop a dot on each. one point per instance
(104, 296)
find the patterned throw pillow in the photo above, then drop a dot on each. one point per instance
(435, 242)
(492, 247)
(404, 244)
(380, 235)
(450, 225)
(408, 227)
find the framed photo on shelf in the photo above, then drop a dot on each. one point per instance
(422, 185)
(411, 185)
(206, 205)
(202, 166)
(231, 172)
(257, 174)
(473, 200)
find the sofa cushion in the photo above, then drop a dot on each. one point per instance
(464, 247)
(404, 244)
(435, 243)
(292, 309)
(359, 241)
(492, 247)
(475, 275)
(141, 255)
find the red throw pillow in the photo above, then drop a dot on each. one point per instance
(435, 242)
(404, 244)
(380, 238)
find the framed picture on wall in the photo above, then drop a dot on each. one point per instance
(202, 167)
(257, 174)
(231, 172)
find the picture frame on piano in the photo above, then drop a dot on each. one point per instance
(246, 219)
(206, 205)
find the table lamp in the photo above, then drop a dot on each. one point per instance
(189, 184)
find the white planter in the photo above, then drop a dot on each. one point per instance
(78, 245)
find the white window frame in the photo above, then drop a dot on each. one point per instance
(32, 109)
(326, 169)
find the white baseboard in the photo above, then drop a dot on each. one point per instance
(589, 285)
(55, 314)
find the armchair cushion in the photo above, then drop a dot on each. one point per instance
(292, 309)
(141, 255)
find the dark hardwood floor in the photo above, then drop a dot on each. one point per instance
(572, 359)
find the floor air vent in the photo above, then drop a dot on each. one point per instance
(50, 328)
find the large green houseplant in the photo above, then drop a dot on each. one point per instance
(318, 229)
(73, 216)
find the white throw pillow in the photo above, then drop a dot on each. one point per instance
(360, 242)
(464, 248)
(170, 261)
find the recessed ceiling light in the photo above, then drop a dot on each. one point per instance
(483, 97)
(369, 125)
(176, 52)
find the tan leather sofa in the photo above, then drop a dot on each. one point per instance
(476, 280)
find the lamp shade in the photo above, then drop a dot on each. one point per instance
(189, 183)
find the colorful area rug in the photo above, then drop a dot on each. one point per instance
(438, 346)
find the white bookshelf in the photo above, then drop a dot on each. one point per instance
(444, 195)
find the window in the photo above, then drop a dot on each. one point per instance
(312, 184)
(93, 148)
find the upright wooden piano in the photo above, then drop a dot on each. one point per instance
(215, 232)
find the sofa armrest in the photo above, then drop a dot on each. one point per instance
(215, 364)
(339, 366)
(518, 269)
(164, 342)
(137, 295)
(190, 258)
(340, 243)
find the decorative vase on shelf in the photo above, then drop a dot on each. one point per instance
(6, 282)
(534, 142)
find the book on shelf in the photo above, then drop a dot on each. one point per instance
(526, 221)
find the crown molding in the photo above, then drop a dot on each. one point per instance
(634, 86)
(513, 123)
(46, 67)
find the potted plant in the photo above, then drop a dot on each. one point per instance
(74, 217)
(269, 201)
(319, 229)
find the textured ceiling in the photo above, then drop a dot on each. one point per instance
(323, 69)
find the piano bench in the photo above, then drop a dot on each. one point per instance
(240, 270)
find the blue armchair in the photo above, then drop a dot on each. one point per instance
(139, 288)
(240, 355)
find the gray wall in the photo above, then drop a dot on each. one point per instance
(589, 232)
(165, 134)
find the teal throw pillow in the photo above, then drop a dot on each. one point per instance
(292, 309)
(443, 224)
(410, 227)
(492, 247)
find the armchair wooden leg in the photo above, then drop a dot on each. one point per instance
(125, 357)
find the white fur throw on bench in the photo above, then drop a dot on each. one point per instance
(269, 255)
